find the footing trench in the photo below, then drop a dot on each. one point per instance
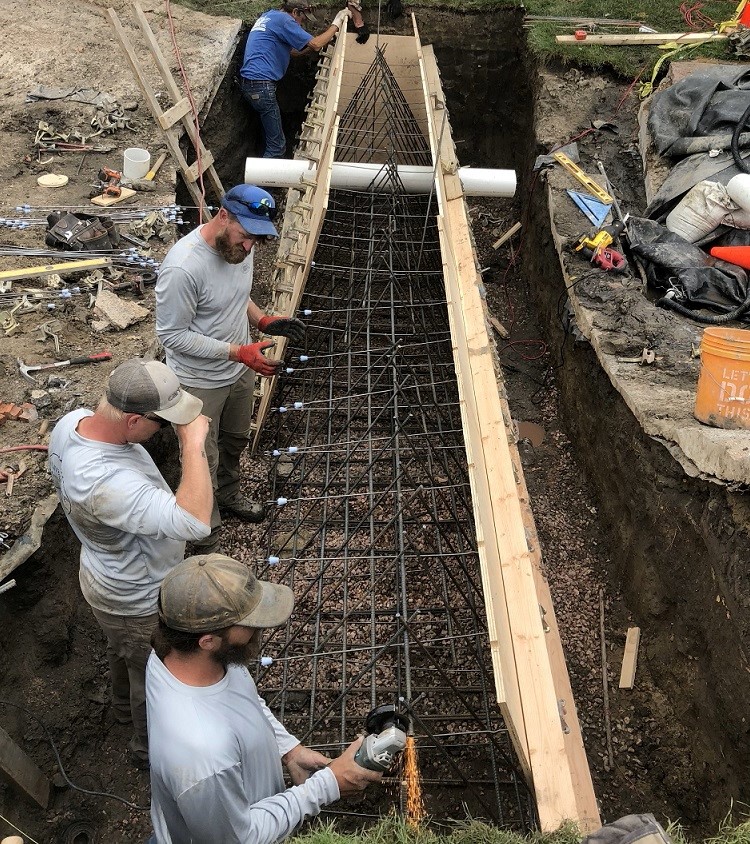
(395, 543)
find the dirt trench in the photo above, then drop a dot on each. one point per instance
(612, 509)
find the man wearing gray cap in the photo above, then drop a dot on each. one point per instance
(216, 749)
(203, 317)
(131, 526)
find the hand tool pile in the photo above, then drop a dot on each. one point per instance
(597, 246)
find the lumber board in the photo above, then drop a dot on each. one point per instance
(642, 38)
(630, 658)
(493, 587)
(50, 269)
(175, 113)
(105, 201)
(171, 136)
(588, 818)
(514, 604)
(176, 95)
(20, 771)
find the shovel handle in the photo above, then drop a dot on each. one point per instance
(92, 358)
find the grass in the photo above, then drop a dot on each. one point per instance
(662, 15)
(393, 830)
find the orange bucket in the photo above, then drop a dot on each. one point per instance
(723, 396)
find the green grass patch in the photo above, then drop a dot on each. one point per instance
(735, 829)
(662, 15)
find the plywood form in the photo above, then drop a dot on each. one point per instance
(401, 56)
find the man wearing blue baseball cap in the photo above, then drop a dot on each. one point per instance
(276, 36)
(203, 318)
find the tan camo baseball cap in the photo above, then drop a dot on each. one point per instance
(148, 386)
(211, 591)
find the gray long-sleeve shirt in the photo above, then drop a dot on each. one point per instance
(215, 754)
(132, 529)
(201, 307)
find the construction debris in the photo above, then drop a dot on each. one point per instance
(116, 311)
(25, 412)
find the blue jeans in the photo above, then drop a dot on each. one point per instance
(261, 96)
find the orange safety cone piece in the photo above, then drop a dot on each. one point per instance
(745, 15)
(739, 255)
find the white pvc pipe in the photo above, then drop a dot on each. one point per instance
(288, 173)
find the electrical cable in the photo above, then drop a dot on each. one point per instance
(668, 303)
(67, 779)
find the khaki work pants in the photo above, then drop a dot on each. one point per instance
(230, 410)
(128, 648)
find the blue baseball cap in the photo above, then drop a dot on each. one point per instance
(254, 208)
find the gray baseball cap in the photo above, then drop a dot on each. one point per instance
(148, 386)
(211, 591)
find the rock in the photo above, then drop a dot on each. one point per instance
(119, 312)
(40, 398)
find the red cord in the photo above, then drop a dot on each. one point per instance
(193, 109)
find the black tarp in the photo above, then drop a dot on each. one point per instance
(672, 263)
(699, 112)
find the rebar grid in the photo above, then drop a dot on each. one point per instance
(376, 537)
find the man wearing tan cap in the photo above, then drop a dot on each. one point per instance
(216, 750)
(131, 526)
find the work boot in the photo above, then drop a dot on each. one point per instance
(243, 508)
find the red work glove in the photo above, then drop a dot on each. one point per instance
(252, 355)
(280, 326)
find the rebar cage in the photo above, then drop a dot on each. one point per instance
(373, 527)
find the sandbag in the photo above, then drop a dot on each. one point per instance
(704, 208)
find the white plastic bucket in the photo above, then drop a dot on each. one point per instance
(136, 163)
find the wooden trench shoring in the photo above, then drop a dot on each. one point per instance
(531, 680)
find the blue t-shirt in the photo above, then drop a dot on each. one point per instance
(269, 43)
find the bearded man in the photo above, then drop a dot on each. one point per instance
(203, 318)
(216, 749)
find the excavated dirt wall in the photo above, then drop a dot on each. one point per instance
(678, 546)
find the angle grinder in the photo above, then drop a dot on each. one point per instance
(386, 729)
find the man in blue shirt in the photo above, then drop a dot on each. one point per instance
(276, 36)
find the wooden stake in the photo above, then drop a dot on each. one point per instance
(501, 240)
(605, 684)
(630, 659)
(20, 771)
